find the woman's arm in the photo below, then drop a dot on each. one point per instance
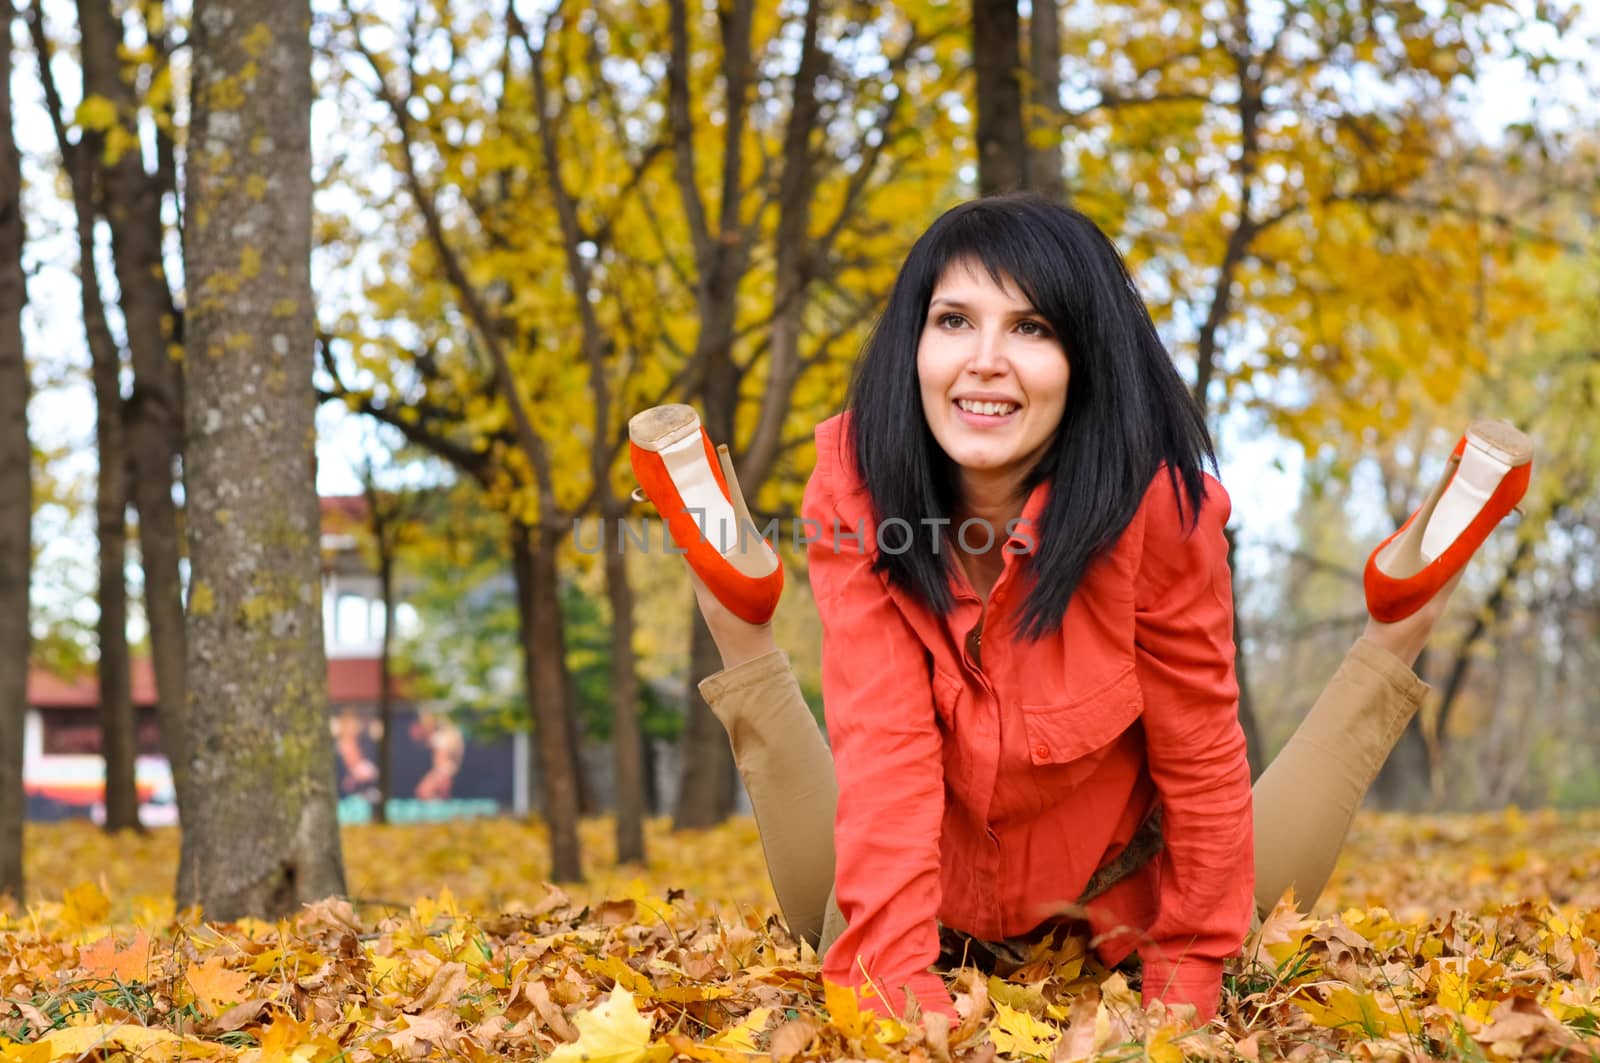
(887, 751)
(1184, 653)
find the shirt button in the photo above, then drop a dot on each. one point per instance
(1041, 750)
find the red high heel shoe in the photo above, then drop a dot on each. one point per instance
(694, 488)
(1485, 479)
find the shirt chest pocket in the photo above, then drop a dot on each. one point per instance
(1079, 730)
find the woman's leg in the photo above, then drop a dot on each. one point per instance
(788, 772)
(1307, 798)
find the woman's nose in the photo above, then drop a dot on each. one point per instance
(989, 356)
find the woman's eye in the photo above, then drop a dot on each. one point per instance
(1033, 328)
(951, 320)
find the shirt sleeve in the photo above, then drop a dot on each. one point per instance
(887, 750)
(1184, 653)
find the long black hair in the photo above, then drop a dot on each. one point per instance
(1127, 409)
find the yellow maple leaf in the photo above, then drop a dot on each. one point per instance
(743, 1035)
(1027, 997)
(84, 905)
(19, 1052)
(107, 959)
(1281, 934)
(1016, 1033)
(1348, 1009)
(1159, 1046)
(215, 986)
(142, 1041)
(614, 968)
(285, 1041)
(844, 1010)
(613, 1032)
(868, 1025)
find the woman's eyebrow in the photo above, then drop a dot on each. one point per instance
(957, 304)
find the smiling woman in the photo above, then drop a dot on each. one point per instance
(1033, 732)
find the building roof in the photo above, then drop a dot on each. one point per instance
(350, 680)
(343, 511)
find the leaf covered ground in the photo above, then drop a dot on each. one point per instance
(1457, 937)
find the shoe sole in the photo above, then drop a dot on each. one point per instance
(662, 426)
(1502, 441)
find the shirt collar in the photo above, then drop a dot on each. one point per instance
(1027, 527)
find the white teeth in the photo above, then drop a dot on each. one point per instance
(994, 409)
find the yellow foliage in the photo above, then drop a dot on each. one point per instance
(96, 113)
(613, 1032)
(1019, 1035)
(682, 960)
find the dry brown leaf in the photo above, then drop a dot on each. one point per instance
(447, 983)
(793, 1038)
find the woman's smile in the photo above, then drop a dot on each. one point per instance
(987, 413)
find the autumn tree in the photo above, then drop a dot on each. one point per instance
(16, 491)
(81, 162)
(825, 203)
(505, 451)
(614, 244)
(392, 524)
(265, 838)
(117, 738)
(1537, 372)
(127, 82)
(1280, 220)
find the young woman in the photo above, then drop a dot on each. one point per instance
(1027, 659)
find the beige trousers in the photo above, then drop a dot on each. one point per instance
(1303, 803)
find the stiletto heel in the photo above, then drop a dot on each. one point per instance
(694, 488)
(1485, 479)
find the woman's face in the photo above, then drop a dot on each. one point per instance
(993, 377)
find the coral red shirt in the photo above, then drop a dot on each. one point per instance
(985, 794)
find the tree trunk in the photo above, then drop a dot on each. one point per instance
(706, 793)
(1402, 784)
(16, 497)
(118, 736)
(380, 811)
(997, 58)
(533, 562)
(117, 733)
(266, 838)
(1482, 623)
(1043, 160)
(653, 801)
(1256, 755)
(793, 258)
(154, 413)
(705, 797)
(626, 739)
(588, 800)
(722, 255)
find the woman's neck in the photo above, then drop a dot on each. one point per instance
(997, 501)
